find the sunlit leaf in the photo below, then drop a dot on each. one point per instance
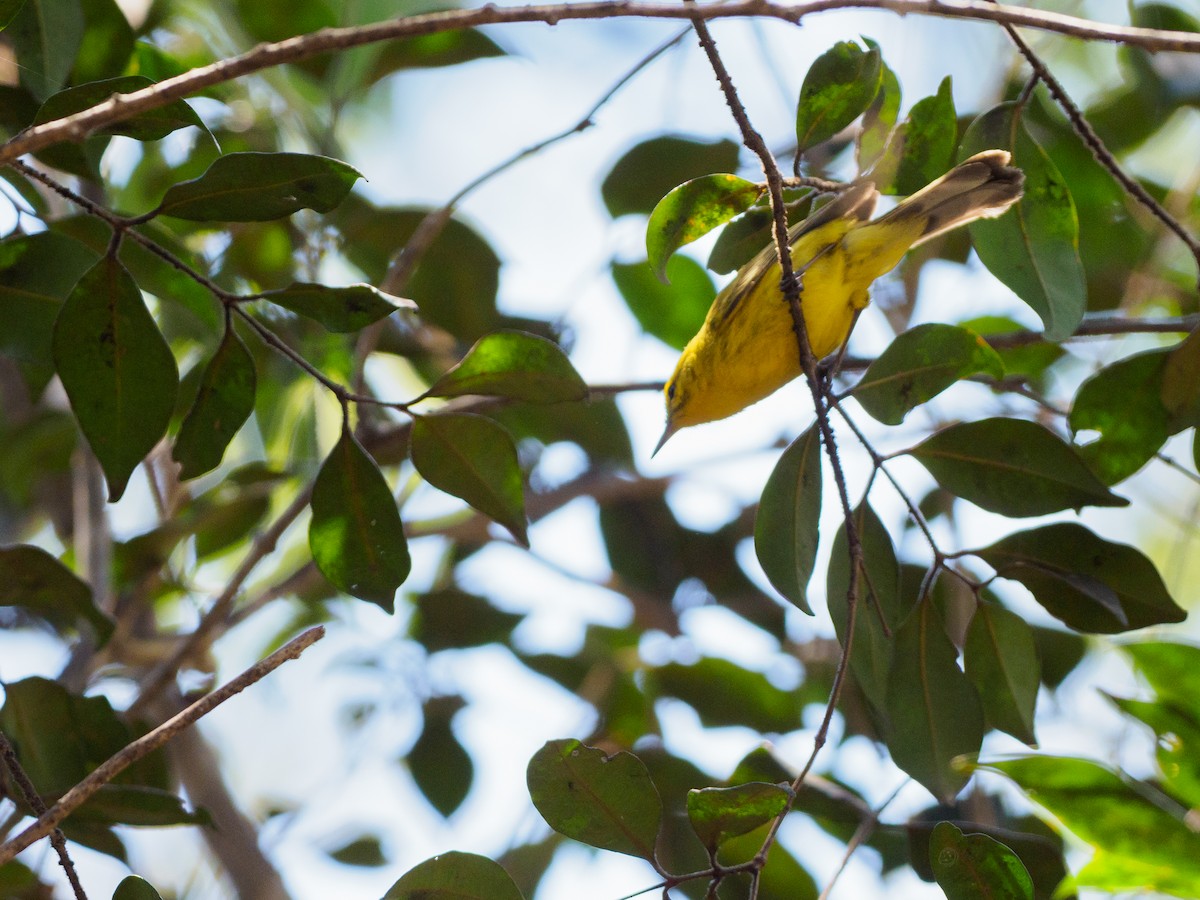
(223, 402)
(785, 528)
(116, 368)
(515, 365)
(922, 148)
(976, 867)
(339, 309)
(691, 211)
(718, 814)
(837, 89)
(455, 876)
(879, 118)
(606, 801)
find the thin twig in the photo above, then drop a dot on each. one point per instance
(57, 839)
(135, 750)
(861, 833)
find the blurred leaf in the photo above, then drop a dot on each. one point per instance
(1030, 360)
(922, 148)
(595, 426)
(644, 175)
(718, 814)
(1012, 467)
(339, 309)
(785, 527)
(1001, 660)
(8, 9)
(231, 510)
(223, 403)
(32, 578)
(1089, 583)
(783, 878)
(427, 51)
(135, 804)
(515, 365)
(474, 459)
(724, 693)
(745, 236)
(881, 606)
(255, 187)
(672, 312)
(152, 125)
(606, 801)
(1060, 652)
(450, 618)
(1168, 666)
(933, 710)
(440, 766)
(976, 867)
(918, 365)
(1177, 745)
(134, 887)
(356, 536)
(116, 368)
(837, 89)
(455, 876)
(365, 851)
(1034, 249)
(879, 118)
(691, 211)
(107, 42)
(46, 35)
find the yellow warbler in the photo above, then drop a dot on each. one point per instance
(746, 348)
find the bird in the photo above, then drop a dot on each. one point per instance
(746, 349)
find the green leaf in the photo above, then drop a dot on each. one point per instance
(365, 851)
(223, 403)
(516, 365)
(922, 148)
(152, 125)
(116, 368)
(724, 693)
(1142, 841)
(672, 312)
(474, 459)
(455, 876)
(8, 9)
(718, 814)
(1177, 747)
(33, 579)
(1034, 249)
(339, 309)
(745, 236)
(785, 527)
(134, 887)
(356, 536)
(1012, 467)
(450, 618)
(837, 89)
(920, 364)
(643, 176)
(1001, 660)
(691, 211)
(139, 805)
(46, 35)
(881, 606)
(605, 801)
(879, 118)
(933, 710)
(107, 42)
(1089, 583)
(427, 51)
(256, 187)
(441, 768)
(1171, 668)
(976, 867)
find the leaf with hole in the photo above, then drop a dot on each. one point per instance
(474, 459)
(606, 801)
(356, 536)
(116, 368)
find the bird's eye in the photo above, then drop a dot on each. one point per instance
(671, 391)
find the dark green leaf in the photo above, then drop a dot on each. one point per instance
(1002, 662)
(1012, 467)
(339, 309)
(365, 851)
(223, 402)
(718, 814)
(837, 89)
(880, 117)
(1089, 583)
(116, 368)
(745, 236)
(455, 876)
(976, 867)
(474, 459)
(881, 606)
(515, 365)
(922, 148)
(148, 126)
(691, 211)
(256, 187)
(46, 35)
(451, 618)
(783, 878)
(356, 536)
(32, 578)
(1035, 248)
(920, 364)
(724, 693)
(426, 51)
(135, 804)
(605, 801)
(672, 312)
(933, 709)
(107, 42)
(1180, 392)
(8, 9)
(134, 887)
(785, 528)
(641, 177)
(440, 766)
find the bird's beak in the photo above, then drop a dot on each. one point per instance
(666, 436)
